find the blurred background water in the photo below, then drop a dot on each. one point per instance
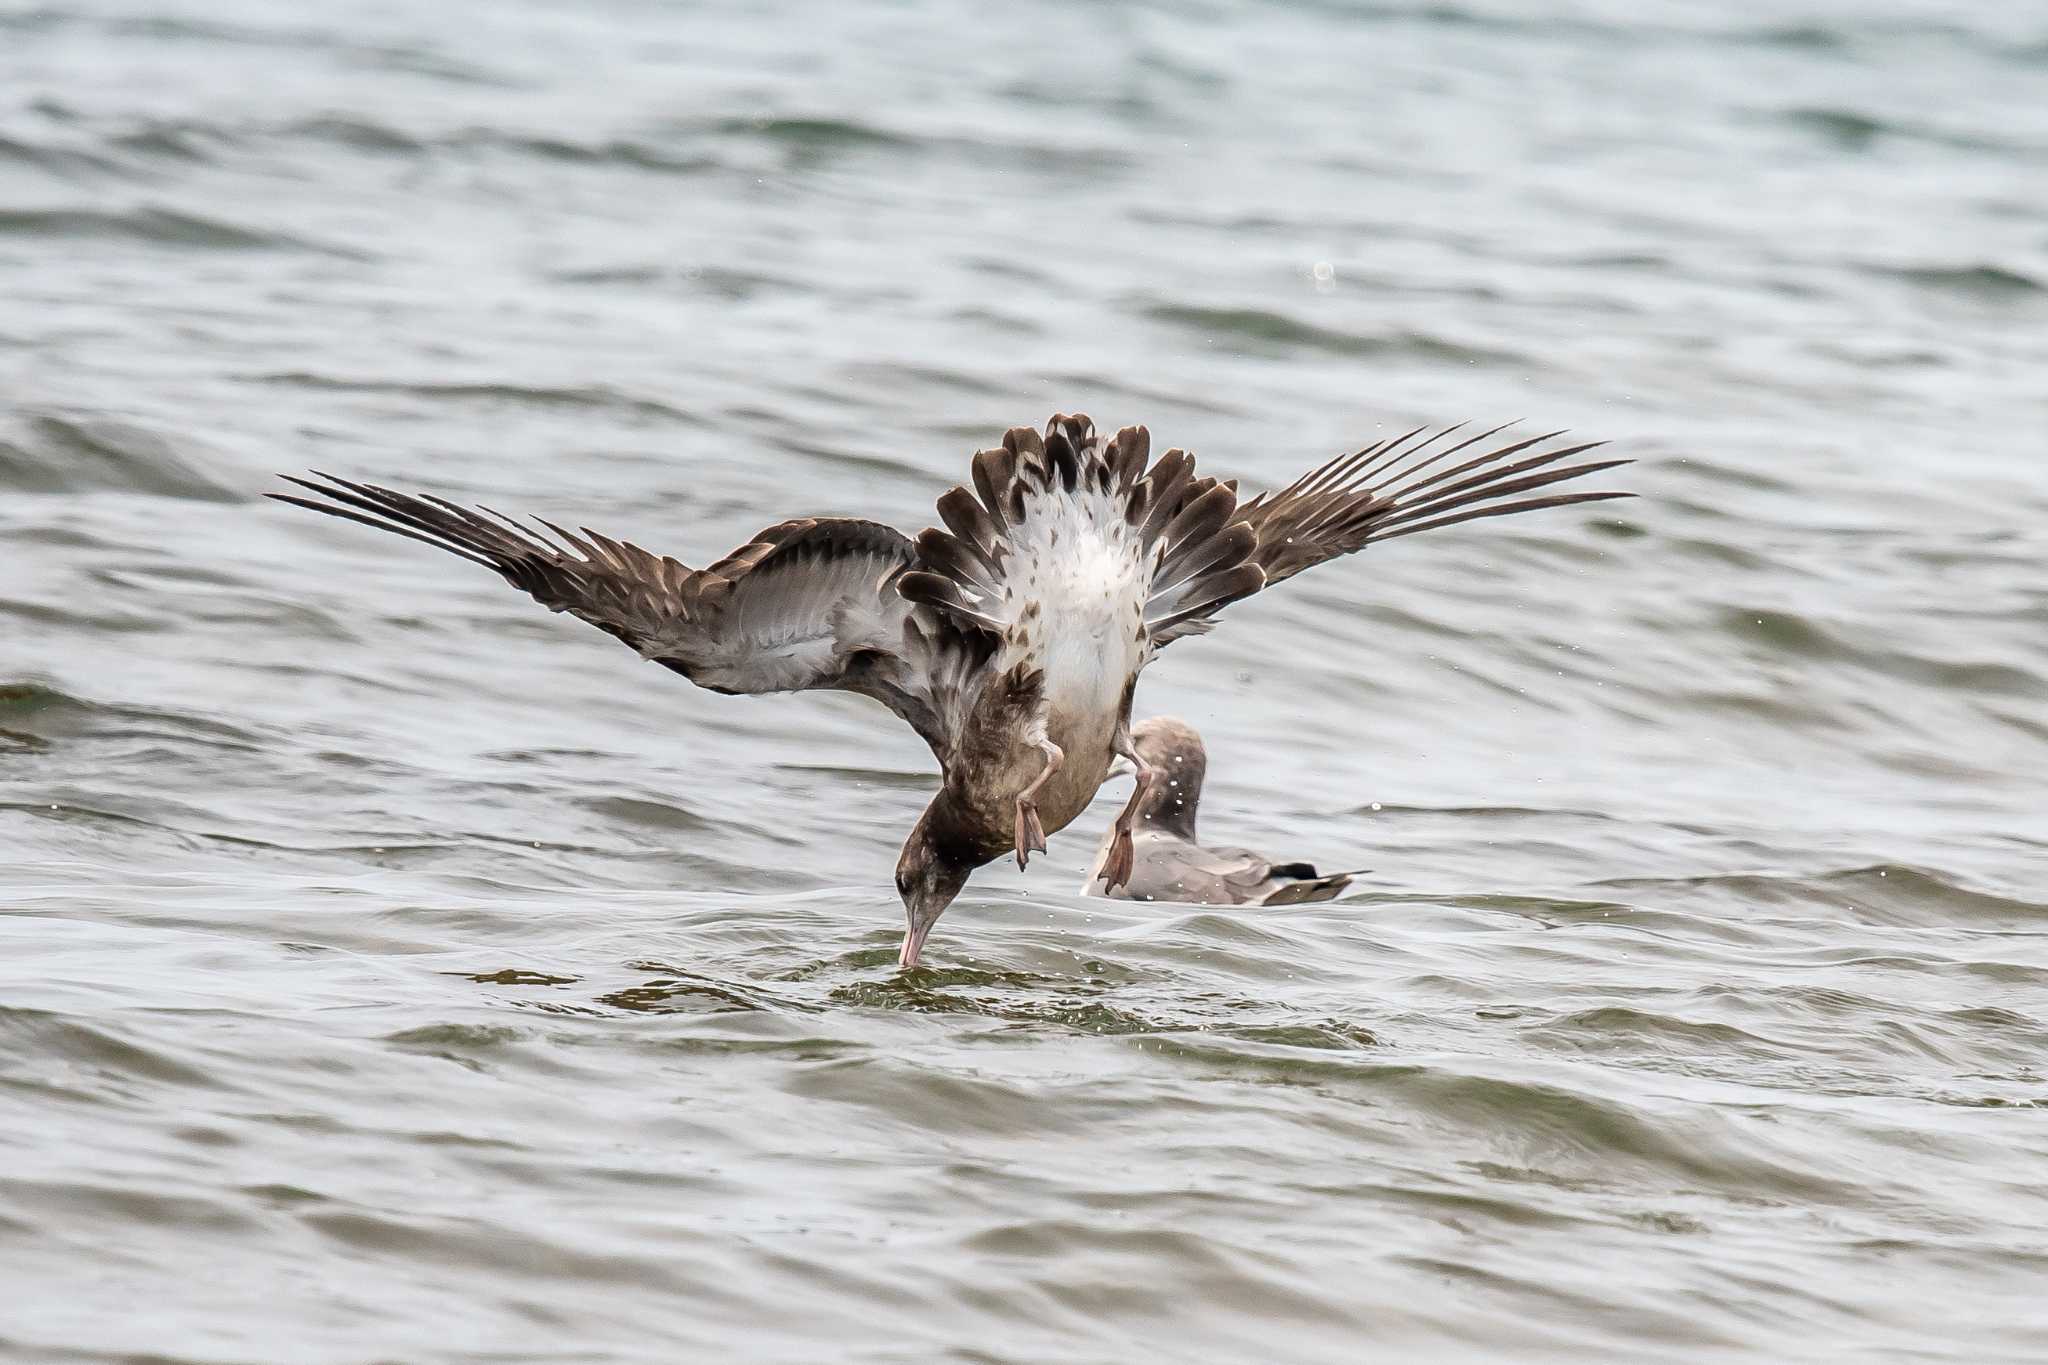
(392, 971)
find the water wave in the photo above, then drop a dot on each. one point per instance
(1270, 328)
(159, 227)
(1988, 282)
(595, 396)
(49, 453)
(66, 162)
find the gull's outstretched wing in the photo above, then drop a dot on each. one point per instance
(1395, 488)
(1398, 486)
(806, 604)
(1181, 544)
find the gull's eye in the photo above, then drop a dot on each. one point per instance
(902, 885)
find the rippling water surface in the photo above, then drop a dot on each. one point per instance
(392, 971)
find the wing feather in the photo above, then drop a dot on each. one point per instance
(1388, 490)
(809, 603)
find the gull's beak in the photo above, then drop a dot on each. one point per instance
(928, 881)
(921, 910)
(913, 943)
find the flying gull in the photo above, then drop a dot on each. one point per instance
(1011, 639)
(1167, 863)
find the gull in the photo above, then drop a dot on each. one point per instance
(1010, 638)
(1168, 865)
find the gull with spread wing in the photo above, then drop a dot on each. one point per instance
(1011, 638)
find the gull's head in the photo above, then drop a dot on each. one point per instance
(928, 877)
(1173, 750)
(1164, 742)
(1169, 742)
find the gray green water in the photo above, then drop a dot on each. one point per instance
(390, 971)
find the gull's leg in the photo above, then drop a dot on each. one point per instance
(1031, 834)
(1121, 859)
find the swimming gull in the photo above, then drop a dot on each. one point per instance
(1167, 864)
(1011, 638)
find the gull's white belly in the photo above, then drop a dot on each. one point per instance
(1089, 650)
(1075, 589)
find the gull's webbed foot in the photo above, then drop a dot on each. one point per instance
(1120, 861)
(1122, 857)
(1030, 833)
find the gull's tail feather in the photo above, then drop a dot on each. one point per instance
(1039, 497)
(1328, 886)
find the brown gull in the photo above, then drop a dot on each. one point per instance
(1167, 864)
(1010, 640)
